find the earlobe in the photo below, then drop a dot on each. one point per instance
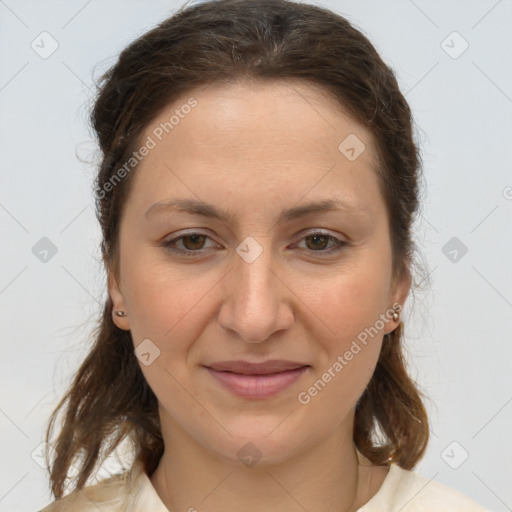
(393, 316)
(119, 313)
(398, 300)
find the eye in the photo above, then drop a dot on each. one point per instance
(319, 242)
(191, 243)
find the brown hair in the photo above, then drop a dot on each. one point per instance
(222, 41)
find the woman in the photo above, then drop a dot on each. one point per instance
(256, 193)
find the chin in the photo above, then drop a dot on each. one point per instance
(260, 442)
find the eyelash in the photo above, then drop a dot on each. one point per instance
(168, 244)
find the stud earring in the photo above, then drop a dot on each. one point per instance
(120, 313)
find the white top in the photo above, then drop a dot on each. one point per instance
(401, 491)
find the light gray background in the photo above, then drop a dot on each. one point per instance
(459, 332)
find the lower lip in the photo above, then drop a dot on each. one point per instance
(257, 386)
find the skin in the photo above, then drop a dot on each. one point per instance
(256, 149)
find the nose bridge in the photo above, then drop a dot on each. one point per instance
(255, 306)
(255, 282)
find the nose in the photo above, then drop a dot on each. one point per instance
(256, 302)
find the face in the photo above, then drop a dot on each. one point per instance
(277, 247)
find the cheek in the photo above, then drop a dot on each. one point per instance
(348, 340)
(348, 333)
(347, 304)
(173, 318)
(168, 308)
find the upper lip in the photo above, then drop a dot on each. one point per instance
(264, 368)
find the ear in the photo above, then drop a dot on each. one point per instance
(119, 304)
(397, 298)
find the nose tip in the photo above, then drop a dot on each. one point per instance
(252, 323)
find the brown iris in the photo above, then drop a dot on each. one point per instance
(197, 241)
(322, 239)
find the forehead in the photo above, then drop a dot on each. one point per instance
(254, 115)
(257, 137)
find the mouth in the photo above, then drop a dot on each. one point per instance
(256, 380)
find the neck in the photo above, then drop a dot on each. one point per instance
(331, 475)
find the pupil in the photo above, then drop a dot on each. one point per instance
(195, 239)
(316, 238)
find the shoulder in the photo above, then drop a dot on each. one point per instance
(129, 491)
(407, 491)
(108, 495)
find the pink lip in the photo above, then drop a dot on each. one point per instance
(257, 385)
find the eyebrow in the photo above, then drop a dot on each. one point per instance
(195, 207)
